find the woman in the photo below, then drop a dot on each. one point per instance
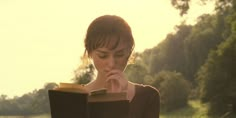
(109, 43)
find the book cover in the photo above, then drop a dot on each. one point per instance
(68, 105)
(76, 102)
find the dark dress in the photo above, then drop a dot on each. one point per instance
(145, 103)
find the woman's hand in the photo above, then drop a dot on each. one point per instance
(116, 81)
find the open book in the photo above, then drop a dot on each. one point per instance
(74, 101)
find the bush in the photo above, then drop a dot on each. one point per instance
(174, 90)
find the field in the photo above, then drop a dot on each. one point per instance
(193, 110)
(38, 116)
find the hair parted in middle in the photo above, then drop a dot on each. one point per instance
(108, 31)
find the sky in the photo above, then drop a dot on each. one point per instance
(41, 41)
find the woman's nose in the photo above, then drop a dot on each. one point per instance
(111, 62)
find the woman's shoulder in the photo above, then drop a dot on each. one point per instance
(146, 89)
(146, 93)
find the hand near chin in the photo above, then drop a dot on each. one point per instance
(116, 81)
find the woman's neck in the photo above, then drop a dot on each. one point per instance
(100, 81)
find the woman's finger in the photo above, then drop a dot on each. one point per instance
(116, 81)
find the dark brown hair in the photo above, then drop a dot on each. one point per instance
(101, 30)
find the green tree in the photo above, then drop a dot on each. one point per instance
(148, 79)
(217, 78)
(169, 54)
(35, 102)
(135, 73)
(220, 5)
(40, 103)
(3, 97)
(182, 5)
(174, 90)
(205, 36)
(84, 74)
(25, 104)
(144, 59)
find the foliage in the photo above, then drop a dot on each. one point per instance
(84, 75)
(35, 102)
(182, 5)
(174, 90)
(194, 109)
(217, 78)
(205, 36)
(169, 54)
(41, 101)
(220, 5)
(143, 59)
(135, 73)
(148, 79)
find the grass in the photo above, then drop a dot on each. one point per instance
(194, 110)
(33, 116)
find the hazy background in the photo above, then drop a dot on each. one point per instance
(42, 41)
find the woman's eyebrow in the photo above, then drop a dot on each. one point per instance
(121, 50)
(118, 51)
(101, 51)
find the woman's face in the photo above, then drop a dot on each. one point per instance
(106, 59)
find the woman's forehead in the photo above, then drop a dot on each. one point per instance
(112, 42)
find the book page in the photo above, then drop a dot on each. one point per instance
(70, 87)
(98, 95)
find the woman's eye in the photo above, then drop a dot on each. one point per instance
(119, 55)
(102, 56)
